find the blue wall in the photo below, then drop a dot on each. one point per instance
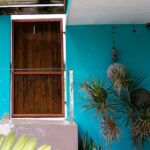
(67, 6)
(5, 27)
(89, 55)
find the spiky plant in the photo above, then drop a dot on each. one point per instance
(111, 130)
(116, 72)
(23, 143)
(88, 144)
(98, 100)
(133, 106)
(140, 121)
(97, 95)
(139, 110)
(141, 128)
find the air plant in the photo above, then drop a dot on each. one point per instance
(134, 104)
(98, 99)
(97, 95)
(140, 122)
(116, 72)
(141, 128)
(23, 143)
(111, 130)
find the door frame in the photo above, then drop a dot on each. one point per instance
(50, 18)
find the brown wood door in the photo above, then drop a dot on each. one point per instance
(37, 69)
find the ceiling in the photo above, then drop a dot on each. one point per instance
(109, 12)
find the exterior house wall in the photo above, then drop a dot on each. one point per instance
(89, 54)
(49, 132)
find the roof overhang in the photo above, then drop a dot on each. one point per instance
(24, 7)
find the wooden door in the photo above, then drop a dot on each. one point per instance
(37, 69)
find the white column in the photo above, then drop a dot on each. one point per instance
(71, 96)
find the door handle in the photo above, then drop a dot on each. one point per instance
(34, 30)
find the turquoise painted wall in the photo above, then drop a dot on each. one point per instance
(89, 55)
(67, 6)
(5, 27)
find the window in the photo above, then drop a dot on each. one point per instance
(37, 68)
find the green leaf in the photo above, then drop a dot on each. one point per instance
(44, 147)
(30, 145)
(1, 139)
(8, 142)
(21, 142)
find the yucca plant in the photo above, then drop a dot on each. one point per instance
(98, 99)
(23, 143)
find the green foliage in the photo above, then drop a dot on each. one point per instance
(88, 144)
(134, 106)
(131, 106)
(98, 99)
(23, 143)
(97, 95)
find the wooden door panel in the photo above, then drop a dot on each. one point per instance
(38, 94)
(38, 45)
(37, 69)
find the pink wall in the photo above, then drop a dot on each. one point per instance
(61, 135)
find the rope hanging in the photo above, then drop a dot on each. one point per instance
(114, 49)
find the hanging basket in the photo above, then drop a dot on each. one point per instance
(116, 72)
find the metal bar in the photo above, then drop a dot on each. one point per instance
(31, 69)
(32, 5)
(71, 96)
(37, 72)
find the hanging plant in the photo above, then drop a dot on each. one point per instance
(140, 128)
(140, 97)
(111, 130)
(134, 106)
(116, 72)
(140, 122)
(97, 95)
(98, 99)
